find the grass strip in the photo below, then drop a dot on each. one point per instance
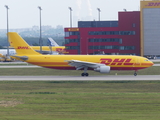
(80, 100)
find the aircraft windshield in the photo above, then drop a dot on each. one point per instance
(146, 60)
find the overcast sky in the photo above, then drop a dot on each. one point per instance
(25, 13)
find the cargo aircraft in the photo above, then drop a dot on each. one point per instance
(99, 63)
(50, 49)
(53, 48)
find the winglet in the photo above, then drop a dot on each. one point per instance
(20, 45)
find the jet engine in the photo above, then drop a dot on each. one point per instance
(103, 69)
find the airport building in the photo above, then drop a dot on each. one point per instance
(106, 37)
(150, 28)
(135, 33)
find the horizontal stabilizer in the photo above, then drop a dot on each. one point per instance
(24, 58)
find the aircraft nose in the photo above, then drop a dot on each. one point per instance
(151, 63)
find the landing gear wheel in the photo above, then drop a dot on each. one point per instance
(135, 74)
(84, 74)
(87, 74)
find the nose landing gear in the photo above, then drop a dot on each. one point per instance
(135, 73)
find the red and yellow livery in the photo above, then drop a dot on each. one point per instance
(99, 63)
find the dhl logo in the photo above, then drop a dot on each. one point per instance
(73, 29)
(116, 61)
(153, 4)
(23, 47)
(59, 49)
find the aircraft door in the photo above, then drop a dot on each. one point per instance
(138, 63)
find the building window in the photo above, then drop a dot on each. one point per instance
(71, 40)
(104, 47)
(66, 34)
(133, 25)
(113, 47)
(107, 33)
(126, 47)
(111, 33)
(72, 47)
(66, 41)
(121, 47)
(120, 41)
(74, 33)
(127, 33)
(106, 40)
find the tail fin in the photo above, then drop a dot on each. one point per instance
(20, 45)
(52, 42)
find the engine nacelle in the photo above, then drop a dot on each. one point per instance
(103, 69)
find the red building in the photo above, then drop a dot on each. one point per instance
(108, 37)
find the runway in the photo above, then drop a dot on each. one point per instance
(79, 78)
(75, 78)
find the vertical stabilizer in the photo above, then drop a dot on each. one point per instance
(20, 45)
(52, 42)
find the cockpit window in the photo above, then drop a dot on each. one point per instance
(146, 60)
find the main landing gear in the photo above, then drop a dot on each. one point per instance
(85, 72)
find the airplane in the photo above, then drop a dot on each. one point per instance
(53, 48)
(49, 49)
(45, 50)
(4, 57)
(60, 49)
(98, 63)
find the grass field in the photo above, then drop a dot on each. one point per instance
(79, 100)
(154, 70)
(83, 100)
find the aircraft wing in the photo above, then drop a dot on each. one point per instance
(83, 64)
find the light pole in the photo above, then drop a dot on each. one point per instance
(99, 12)
(70, 16)
(7, 32)
(40, 39)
